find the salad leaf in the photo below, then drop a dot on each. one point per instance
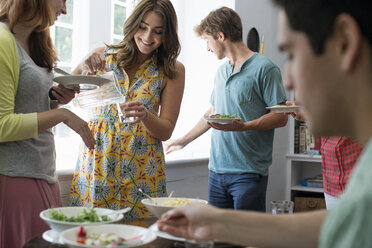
(226, 116)
(87, 216)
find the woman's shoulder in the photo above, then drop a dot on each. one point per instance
(7, 39)
(180, 72)
(109, 51)
(180, 67)
(8, 45)
(180, 76)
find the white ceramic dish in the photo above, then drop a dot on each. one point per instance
(52, 237)
(155, 207)
(284, 109)
(219, 120)
(145, 236)
(85, 82)
(165, 235)
(60, 226)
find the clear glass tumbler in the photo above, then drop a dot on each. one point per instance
(281, 207)
(197, 244)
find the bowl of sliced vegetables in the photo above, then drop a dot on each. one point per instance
(109, 235)
(60, 219)
(160, 205)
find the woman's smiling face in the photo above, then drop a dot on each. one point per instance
(150, 33)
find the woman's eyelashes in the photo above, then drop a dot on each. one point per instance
(156, 31)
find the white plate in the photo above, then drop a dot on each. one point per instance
(219, 120)
(284, 109)
(69, 236)
(85, 82)
(164, 235)
(156, 207)
(52, 237)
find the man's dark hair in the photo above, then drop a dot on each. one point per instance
(316, 17)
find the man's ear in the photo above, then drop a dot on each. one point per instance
(349, 42)
(221, 36)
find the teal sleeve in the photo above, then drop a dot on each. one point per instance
(273, 90)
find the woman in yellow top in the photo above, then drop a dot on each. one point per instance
(129, 157)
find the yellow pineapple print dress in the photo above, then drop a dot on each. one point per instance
(126, 157)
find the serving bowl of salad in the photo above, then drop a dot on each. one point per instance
(159, 205)
(110, 235)
(60, 219)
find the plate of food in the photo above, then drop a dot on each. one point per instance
(159, 205)
(282, 108)
(110, 235)
(87, 82)
(60, 219)
(221, 118)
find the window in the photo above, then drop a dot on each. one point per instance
(62, 35)
(119, 8)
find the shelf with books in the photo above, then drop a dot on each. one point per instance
(302, 166)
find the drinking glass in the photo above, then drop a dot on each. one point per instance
(281, 207)
(196, 244)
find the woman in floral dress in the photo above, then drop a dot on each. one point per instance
(129, 156)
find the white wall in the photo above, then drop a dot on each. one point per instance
(200, 75)
(262, 15)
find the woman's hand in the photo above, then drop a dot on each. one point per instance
(92, 63)
(63, 94)
(135, 109)
(80, 127)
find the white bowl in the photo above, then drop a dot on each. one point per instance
(59, 226)
(156, 208)
(144, 235)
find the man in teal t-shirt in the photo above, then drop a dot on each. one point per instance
(241, 152)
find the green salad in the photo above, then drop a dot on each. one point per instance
(89, 215)
(226, 116)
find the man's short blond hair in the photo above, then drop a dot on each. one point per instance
(223, 20)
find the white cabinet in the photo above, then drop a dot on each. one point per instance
(300, 166)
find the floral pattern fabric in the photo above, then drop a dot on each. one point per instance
(127, 157)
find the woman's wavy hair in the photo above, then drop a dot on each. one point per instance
(127, 50)
(42, 50)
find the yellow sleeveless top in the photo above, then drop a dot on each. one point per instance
(126, 157)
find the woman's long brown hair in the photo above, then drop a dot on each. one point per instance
(127, 51)
(42, 50)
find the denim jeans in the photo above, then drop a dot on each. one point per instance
(245, 191)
